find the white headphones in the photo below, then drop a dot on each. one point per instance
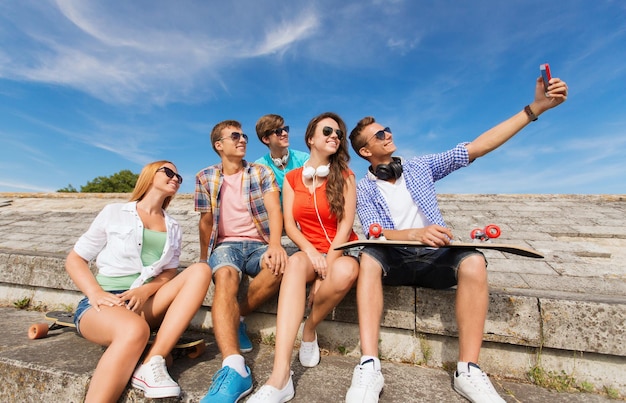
(321, 171)
(282, 161)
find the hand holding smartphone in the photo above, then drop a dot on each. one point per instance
(545, 74)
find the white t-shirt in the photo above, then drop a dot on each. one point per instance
(404, 212)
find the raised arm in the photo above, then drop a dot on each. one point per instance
(496, 136)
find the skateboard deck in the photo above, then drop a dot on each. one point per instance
(502, 247)
(191, 347)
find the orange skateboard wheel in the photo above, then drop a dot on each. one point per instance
(197, 350)
(38, 331)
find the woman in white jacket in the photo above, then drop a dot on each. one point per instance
(137, 246)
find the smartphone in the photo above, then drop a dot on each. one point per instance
(545, 73)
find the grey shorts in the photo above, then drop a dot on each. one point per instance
(421, 267)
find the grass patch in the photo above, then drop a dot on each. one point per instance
(23, 303)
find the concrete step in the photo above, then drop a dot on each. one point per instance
(58, 369)
(565, 313)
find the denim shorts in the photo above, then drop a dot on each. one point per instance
(82, 307)
(421, 267)
(244, 256)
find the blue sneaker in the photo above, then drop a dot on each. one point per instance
(227, 386)
(245, 345)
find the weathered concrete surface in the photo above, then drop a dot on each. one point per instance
(565, 312)
(58, 369)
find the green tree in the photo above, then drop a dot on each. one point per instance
(68, 189)
(121, 182)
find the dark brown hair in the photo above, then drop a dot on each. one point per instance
(338, 164)
(216, 133)
(355, 134)
(267, 123)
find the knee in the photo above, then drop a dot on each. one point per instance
(344, 275)
(226, 278)
(369, 267)
(200, 273)
(297, 265)
(473, 268)
(136, 333)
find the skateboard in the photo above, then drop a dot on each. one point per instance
(192, 347)
(376, 230)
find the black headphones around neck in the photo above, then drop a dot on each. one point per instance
(388, 171)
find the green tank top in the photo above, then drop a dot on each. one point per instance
(151, 251)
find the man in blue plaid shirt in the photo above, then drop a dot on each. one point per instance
(241, 224)
(400, 196)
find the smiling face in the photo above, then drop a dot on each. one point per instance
(232, 142)
(373, 144)
(164, 182)
(326, 138)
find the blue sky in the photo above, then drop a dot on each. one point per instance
(88, 88)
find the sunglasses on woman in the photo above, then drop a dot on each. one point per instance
(236, 136)
(170, 174)
(327, 131)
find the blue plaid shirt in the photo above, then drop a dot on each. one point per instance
(257, 179)
(420, 175)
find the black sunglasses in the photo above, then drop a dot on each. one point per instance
(236, 136)
(170, 174)
(380, 135)
(278, 131)
(327, 131)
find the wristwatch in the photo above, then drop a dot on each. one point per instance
(530, 113)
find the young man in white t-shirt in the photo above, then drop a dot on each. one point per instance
(400, 196)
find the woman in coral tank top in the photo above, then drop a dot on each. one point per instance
(319, 204)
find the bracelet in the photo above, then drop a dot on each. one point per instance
(203, 261)
(530, 113)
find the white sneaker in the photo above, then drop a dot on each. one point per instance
(154, 380)
(367, 383)
(309, 353)
(475, 386)
(269, 394)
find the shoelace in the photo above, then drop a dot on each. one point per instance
(308, 348)
(158, 371)
(220, 378)
(366, 378)
(481, 382)
(265, 392)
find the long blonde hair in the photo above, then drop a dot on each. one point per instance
(144, 182)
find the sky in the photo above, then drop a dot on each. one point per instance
(89, 88)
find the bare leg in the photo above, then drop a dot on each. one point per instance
(341, 277)
(472, 301)
(126, 335)
(176, 303)
(369, 296)
(225, 310)
(262, 287)
(291, 302)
